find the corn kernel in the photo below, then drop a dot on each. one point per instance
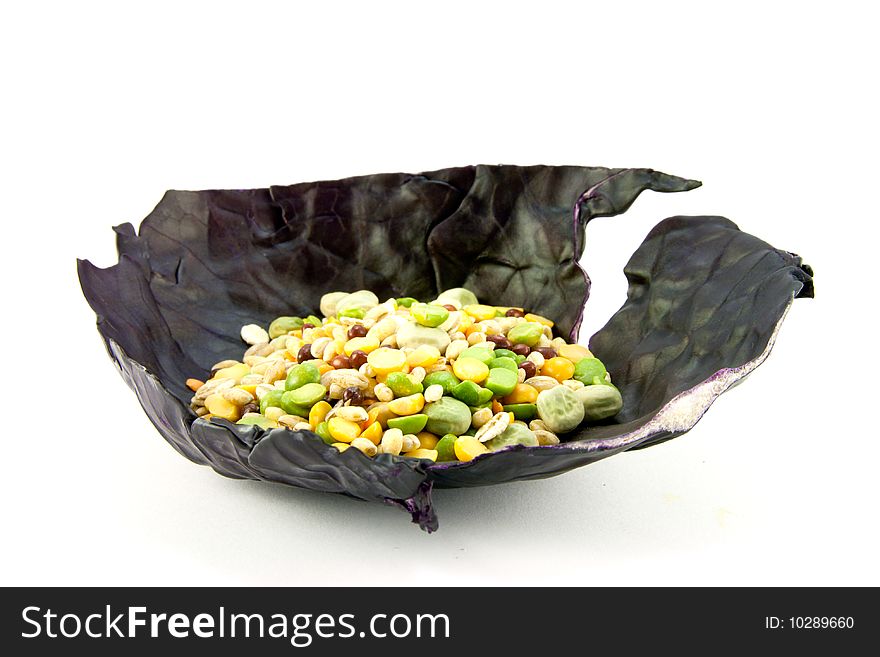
(252, 389)
(409, 405)
(427, 440)
(523, 393)
(467, 448)
(480, 312)
(373, 413)
(386, 360)
(194, 384)
(341, 446)
(574, 352)
(559, 368)
(343, 431)
(373, 433)
(318, 413)
(360, 344)
(470, 369)
(219, 406)
(422, 453)
(496, 406)
(423, 356)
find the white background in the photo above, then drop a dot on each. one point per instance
(770, 104)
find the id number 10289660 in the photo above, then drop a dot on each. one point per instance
(810, 622)
(821, 622)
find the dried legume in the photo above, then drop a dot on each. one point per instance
(444, 380)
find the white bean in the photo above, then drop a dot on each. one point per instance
(253, 334)
(476, 338)
(455, 348)
(263, 388)
(433, 392)
(481, 416)
(365, 446)
(392, 442)
(410, 442)
(318, 347)
(352, 413)
(494, 427)
(383, 392)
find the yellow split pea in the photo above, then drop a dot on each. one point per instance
(367, 345)
(470, 369)
(480, 312)
(574, 352)
(219, 406)
(385, 360)
(540, 320)
(409, 405)
(423, 356)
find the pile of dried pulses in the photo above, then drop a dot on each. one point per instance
(445, 381)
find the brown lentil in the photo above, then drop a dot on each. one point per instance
(521, 349)
(304, 353)
(501, 341)
(357, 331)
(352, 395)
(357, 359)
